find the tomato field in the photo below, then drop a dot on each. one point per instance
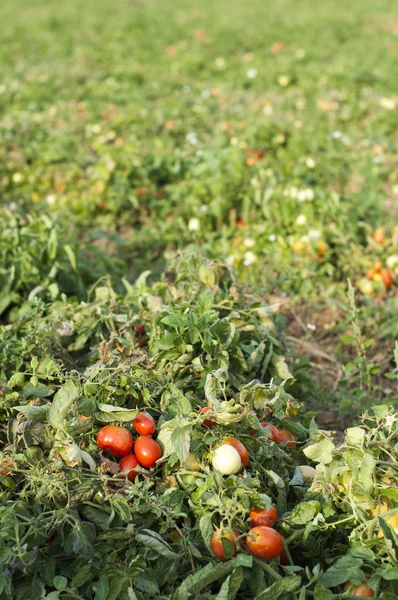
(198, 300)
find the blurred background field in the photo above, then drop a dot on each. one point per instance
(263, 134)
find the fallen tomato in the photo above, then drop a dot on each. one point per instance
(116, 441)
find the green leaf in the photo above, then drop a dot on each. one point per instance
(196, 582)
(206, 276)
(34, 413)
(60, 582)
(345, 569)
(62, 403)
(109, 413)
(174, 437)
(304, 512)
(204, 302)
(152, 540)
(102, 588)
(355, 436)
(280, 588)
(321, 452)
(206, 529)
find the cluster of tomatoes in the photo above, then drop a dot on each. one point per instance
(262, 540)
(118, 442)
(380, 274)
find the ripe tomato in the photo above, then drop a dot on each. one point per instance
(264, 542)
(116, 441)
(226, 460)
(243, 453)
(387, 279)
(362, 590)
(378, 236)
(147, 451)
(6, 467)
(144, 424)
(207, 422)
(140, 330)
(217, 543)
(127, 465)
(274, 431)
(287, 438)
(263, 516)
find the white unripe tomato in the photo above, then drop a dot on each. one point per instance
(226, 460)
(308, 473)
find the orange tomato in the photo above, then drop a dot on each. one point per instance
(387, 279)
(287, 438)
(263, 516)
(362, 590)
(378, 235)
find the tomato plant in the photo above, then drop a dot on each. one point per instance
(116, 441)
(147, 451)
(264, 542)
(144, 424)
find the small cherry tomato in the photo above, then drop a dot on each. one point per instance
(264, 542)
(274, 431)
(207, 422)
(243, 453)
(127, 466)
(362, 590)
(6, 466)
(217, 543)
(287, 438)
(144, 424)
(147, 451)
(263, 516)
(116, 441)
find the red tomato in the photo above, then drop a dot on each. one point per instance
(287, 438)
(116, 441)
(387, 279)
(274, 431)
(147, 451)
(127, 465)
(217, 544)
(140, 330)
(240, 223)
(362, 590)
(263, 516)
(207, 422)
(264, 542)
(142, 343)
(243, 453)
(6, 467)
(144, 424)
